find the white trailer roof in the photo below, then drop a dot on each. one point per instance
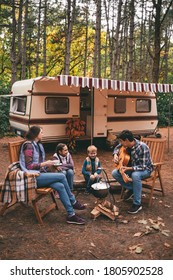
(23, 87)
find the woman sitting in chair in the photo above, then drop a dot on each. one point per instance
(32, 158)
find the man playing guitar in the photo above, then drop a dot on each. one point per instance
(141, 166)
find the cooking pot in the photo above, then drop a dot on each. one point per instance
(100, 189)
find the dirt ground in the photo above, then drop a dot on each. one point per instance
(147, 235)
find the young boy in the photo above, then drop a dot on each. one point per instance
(90, 168)
(66, 164)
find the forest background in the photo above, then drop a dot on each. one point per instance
(122, 40)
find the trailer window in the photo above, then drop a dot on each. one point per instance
(120, 105)
(19, 105)
(57, 105)
(143, 105)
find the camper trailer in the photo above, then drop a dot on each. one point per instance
(49, 103)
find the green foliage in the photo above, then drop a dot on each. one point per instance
(4, 109)
(165, 109)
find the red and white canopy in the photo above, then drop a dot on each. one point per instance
(113, 84)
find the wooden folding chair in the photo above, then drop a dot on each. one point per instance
(14, 149)
(157, 150)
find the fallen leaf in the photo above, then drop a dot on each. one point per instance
(156, 222)
(125, 221)
(165, 232)
(133, 247)
(148, 228)
(167, 245)
(152, 221)
(138, 250)
(142, 222)
(137, 234)
(156, 226)
(162, 224)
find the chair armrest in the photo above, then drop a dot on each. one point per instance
(158, 164)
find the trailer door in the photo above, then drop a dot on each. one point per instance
(100, 113)
(74, 107)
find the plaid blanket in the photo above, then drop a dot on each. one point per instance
(17, 186)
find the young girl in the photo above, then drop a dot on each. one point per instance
(90, 169)
(66, 163)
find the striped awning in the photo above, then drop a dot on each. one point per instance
(113, 84)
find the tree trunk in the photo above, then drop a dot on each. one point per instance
(86, 40)
(159, 19)
(97, 45)
(131, 41)
(70, 21)
(15, 53)
(156, 57)
(38, 41)
(116, 45)
(44, 37)
(124, 39)
(24, 52)
(108, 40)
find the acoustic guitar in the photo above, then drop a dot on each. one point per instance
(123, 160)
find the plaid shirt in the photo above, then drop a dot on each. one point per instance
(140, 156)
(17, 186)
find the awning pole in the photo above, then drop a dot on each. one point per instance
(92, 114)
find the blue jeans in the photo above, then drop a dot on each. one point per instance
(135, 185)
(58, 182)
(70, 177)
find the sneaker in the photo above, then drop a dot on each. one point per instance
(128, 195)
(75, 220)
(135, 209)
(79, 206)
